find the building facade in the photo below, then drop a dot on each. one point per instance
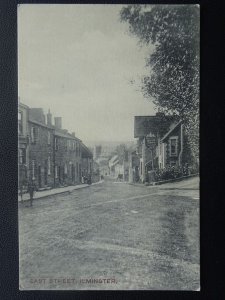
(67, 157)
(149, 130)
(161, 144)
(23, 144)
(49, 155)
(41, 138)
(87, 161)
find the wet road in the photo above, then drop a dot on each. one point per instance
(112, 236)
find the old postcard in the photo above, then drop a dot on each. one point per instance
(108, 147)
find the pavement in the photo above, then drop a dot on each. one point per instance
(56, 191)
(112, 236)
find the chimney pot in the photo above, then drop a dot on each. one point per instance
(49, 118)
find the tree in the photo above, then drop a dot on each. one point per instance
(173, 80)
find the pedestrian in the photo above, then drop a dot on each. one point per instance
(21, 192)
(31, 190)
(89, 179)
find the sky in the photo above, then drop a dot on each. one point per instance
(78, 61)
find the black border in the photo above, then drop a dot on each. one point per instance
(212, 156)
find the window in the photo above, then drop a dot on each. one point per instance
(49, 138)
(68, 145)
(56, 144)
(20, 122)
(173, 146)
(65, 168)
(76, 148)
(49, 165)
(56, 171)
(77, 171)
(33, 169)
(22, 156)
(34, 134)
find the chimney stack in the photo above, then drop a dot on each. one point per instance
(58, 122)
(73, 134)
(49, 118)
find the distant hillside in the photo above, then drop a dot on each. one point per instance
(112, 144)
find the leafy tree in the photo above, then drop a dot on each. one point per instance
(173, 80)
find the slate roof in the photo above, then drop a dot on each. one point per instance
(159, 124)
(171, 130)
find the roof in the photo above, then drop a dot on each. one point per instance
(22, 105)
(85, 151)
(57, 132)
(171, 130)
(65, 135)
(39, 123)
(159, 124)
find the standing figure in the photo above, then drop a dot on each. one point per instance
(89, 179)
(31, 190)
(21, 192)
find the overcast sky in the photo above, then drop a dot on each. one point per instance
(78, 61)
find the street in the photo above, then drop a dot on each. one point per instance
(112, 236)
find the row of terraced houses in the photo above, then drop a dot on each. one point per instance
(48, 154)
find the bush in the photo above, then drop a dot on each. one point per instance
(173, 172)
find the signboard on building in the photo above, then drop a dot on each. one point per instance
(150, 141)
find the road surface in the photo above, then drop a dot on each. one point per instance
(112, 236)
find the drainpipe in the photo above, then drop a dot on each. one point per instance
(181, 144)
(54, 160)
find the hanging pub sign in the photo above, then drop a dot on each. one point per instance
(150, 141)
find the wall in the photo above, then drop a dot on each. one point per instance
(23, 147)
(67, 160)
(172, 159)
(39, 152)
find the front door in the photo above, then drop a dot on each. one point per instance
(73, 173)
(59, 174)
(39, 176)
(46, 175)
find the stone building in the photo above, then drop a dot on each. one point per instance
(48, 154)
(170, 148)
(23, 144)
(149, 130)
(67, 156)
(134, 164)
(87, 161)
(161, 143)
(41, 139)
